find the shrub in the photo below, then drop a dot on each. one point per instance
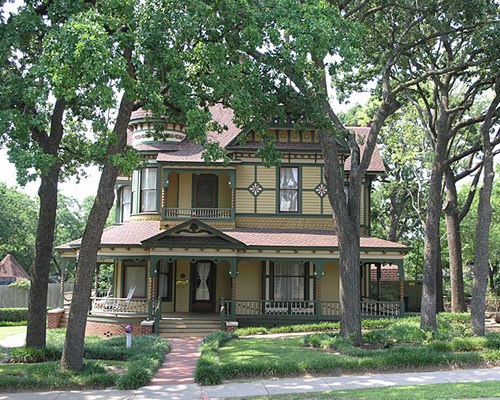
(30, 355)
(208, 368)
(13, 314)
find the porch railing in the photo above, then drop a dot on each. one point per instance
(118, 305)
(200, 213)
(232, 309)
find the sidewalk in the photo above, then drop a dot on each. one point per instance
(192, 391)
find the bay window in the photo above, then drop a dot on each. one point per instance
(148, 190)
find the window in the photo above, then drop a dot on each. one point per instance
(148, 190)
(134, 275)
(205, 191)
(289, 281)
(126, 203)
(165, 280)
(289, 189)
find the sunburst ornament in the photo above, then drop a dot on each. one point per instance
(255, 188)
(321, 190)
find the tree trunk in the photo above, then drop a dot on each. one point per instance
(492, 272)
(72, 357)
(37, 303)
(454, 245)
(481, 263)
(40, 269)
(428, 306)
(439, 283)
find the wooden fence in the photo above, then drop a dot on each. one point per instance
(12, 297)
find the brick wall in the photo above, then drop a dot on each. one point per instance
(109, 329)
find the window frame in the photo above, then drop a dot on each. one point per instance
(144, 190)
(170, 271)
(305, 280)
(296, 190)
(122, 203)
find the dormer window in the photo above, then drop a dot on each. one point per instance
(148, 190)
(289, 189)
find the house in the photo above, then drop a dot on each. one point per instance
(11, 271)
(250, 244)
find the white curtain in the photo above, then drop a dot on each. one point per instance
(135, 276)
(126, 203)
(289, 278)
(203, 291)
(148, 189)
(289, 185)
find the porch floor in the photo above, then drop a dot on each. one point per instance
(191, 315)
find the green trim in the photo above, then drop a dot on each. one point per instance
(255, 179)
(284, 215)
(263, 280)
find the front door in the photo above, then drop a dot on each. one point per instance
(203, 286)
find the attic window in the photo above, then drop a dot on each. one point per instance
(289, 189)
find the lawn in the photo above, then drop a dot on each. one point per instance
(389, 345)
(107, 363)
(421, 392)
(6, 331)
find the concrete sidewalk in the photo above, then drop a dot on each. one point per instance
(268, 387)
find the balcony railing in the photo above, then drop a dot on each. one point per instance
(200, 213)
(314, 309)
(118, 305)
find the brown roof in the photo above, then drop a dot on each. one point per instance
(189, 152)
(10, 268)
(133, 233)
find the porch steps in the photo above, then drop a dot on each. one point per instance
(187, 327)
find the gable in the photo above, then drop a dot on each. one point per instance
(192, 233)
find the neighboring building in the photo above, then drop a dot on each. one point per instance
(258, 242)
(11, 271)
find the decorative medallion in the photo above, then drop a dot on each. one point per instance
(321, 190)
(255, 188)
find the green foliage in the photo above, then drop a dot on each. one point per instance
(260, 330)
(21, 284)
(142, 361)
(208, 368)
(18, 221)
(13, 314)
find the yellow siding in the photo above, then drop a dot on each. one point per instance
(173, 190)
(306, 137)
(244, 175)
(311, 177)
(223, 285)
(295, 137)
(311, 203)
(282, 136)
(186, 189)
(224, 192)
(244, 201)
(182, 291)
(249, 281)
(266, 202)
(266, 177)
(330, 282)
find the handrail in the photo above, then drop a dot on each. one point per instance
(303, 308)
(118, 305)
(200, 213)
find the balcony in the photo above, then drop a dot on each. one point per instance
(226, 214)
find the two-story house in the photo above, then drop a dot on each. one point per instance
(252, 244)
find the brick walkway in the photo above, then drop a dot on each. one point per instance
(180, 363)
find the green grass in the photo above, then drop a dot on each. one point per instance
(420, 392)
(6, 331)
(36, 369)
(390, 345)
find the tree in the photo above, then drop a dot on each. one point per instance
(18, 218)
(37, 108)
(484, 211)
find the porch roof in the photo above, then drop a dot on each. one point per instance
(131, 234)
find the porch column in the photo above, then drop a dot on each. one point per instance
(165, 183)
(64, 266)
(379, 276)
(153, 264)
(401, 275)
(233, 272)
(232, 186)
(318, 273)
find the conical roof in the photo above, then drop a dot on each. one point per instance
(10, 268)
